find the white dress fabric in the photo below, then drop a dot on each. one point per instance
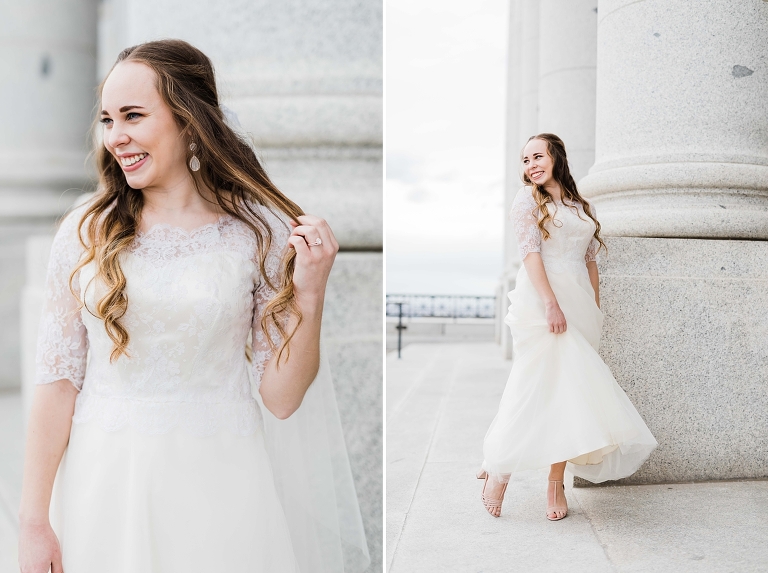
(172, 463)
(561, 401)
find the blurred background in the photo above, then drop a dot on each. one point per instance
(304, 78)
(446, 89)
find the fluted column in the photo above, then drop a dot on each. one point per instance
(682, 119)
(567, 62)
(47, 76)
(512, 170)
(528, 121)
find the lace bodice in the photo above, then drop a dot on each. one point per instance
(571, 243)
(193, 299)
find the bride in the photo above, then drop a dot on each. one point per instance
(147, 449)
(561, 404)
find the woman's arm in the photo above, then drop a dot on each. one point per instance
(62, 349)
(525, 223)
(534, 266)
(282, 388)
(594, 278)
(49, 424)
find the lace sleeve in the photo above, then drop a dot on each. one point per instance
(264, 293)
(525, 223)
(593, 246)
(62, 342)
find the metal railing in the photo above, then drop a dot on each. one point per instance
(438, 306)
(441, 306)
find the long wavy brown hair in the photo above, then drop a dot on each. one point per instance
(562, 174)
(229, 168)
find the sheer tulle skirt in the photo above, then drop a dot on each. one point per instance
(561, 401)
(127, 502)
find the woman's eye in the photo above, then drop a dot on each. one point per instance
(105, 120)
(128, 115)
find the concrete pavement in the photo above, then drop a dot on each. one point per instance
(441, 399)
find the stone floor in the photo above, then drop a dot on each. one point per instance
(432, 330)
(441, 399)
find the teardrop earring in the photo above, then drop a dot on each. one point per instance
(194, 163)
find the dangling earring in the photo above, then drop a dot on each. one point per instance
(194, 163)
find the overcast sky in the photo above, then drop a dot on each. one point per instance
(445, 113)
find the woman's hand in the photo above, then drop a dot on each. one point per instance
(39, 549)
(555, 318)
(283, 389)
(313, 261)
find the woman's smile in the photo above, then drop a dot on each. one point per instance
(133, 162)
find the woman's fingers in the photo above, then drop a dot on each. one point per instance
(556, 320)
(316, 227)
(313, 259)
(299, 244)
(311, 235)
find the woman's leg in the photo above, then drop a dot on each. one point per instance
(556, 495)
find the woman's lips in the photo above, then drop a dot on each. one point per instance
(136, 165)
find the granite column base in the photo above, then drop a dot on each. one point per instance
(686, 337)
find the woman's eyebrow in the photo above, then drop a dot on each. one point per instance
(123, 109)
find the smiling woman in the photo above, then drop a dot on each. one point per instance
(561, 404)
(145, 370)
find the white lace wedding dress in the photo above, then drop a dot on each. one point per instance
(167, 468)
(561, 401)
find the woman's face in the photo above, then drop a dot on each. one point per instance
(537, 162)
(140, 131)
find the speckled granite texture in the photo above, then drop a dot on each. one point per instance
(681, 138)
(353, 333)
(686, 336)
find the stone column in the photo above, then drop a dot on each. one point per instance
(567, 69)
(681, 174)
(682, 122)
(512, 177)
(305, 79)
(522, 120)
(47, 75)
(528, 122)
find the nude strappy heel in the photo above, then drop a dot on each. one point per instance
(556, 508)
(491, 503)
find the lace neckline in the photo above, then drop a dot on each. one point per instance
(168, 229)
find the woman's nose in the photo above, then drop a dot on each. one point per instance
(117, 136)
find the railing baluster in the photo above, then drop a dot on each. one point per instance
(452, 307)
